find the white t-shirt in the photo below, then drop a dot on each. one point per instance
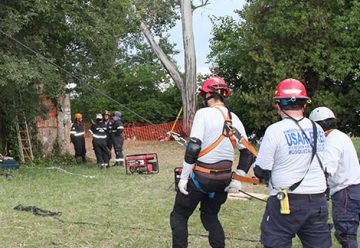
(287, 153)
(208, 126)
(341, 161)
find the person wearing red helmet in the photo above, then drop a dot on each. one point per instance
(206, 175)
(289, 161)
(108, 123)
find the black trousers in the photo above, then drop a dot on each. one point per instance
(101, 150)
(118, 142)
(209, 208)
(109, 144)
(79, 146)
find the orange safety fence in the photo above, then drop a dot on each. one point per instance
(151, 132)
(148, 132)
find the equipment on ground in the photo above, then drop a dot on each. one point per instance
(9, 164)
(142, 163)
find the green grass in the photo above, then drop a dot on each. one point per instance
(121, 210)
(356, 142)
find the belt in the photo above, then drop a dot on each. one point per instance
(305, 196)
(211, 171)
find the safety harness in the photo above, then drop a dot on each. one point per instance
(226, 133)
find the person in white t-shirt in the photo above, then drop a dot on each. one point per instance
(207, 175)
(288, 162)
(342, 163)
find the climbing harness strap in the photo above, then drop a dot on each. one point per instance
(227, 132)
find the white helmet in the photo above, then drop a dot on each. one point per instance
(321, 114)
(99, 117)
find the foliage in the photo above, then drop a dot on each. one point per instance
(79, 36)
(138, 83)
(316, 42)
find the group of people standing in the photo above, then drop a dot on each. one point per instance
(300, 159)
(107, 132)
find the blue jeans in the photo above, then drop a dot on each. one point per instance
(308, 220)
(346, 213)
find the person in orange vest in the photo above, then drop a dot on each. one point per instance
(206, 176)
(77, 137)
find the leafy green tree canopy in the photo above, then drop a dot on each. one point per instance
(317, 42)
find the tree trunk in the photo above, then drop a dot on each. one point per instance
(64, 124)
(188, 94)
(187, 87)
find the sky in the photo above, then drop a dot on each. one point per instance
(202, 30)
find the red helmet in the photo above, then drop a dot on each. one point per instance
(214, 84)
(290, 89)
(106, 112)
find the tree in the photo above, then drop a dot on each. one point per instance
(138, 82)
(79, 36)
(185, 83)
(316, 42)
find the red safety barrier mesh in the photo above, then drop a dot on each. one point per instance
(146, 132)
(151, 132)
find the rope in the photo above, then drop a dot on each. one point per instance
(37, 211)
(70, 173)
(46, 213)
(252, 196)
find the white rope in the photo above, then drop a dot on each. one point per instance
(67, 172)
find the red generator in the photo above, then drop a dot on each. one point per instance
(177, 173)
(142, 163)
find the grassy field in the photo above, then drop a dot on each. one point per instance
(113, 209)
(356, 142)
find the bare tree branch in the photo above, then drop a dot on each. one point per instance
(169, 66)
(202, 4)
